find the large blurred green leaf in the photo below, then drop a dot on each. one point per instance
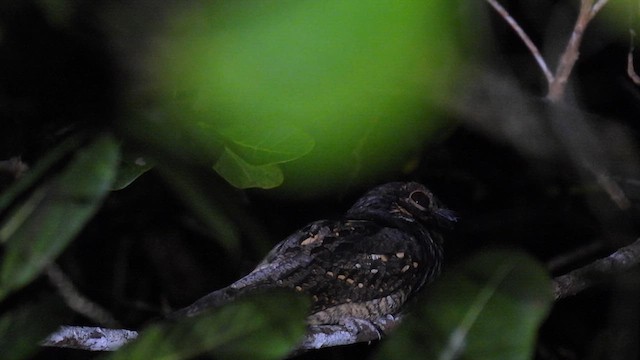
(43, 225)
(264, 327)
(489, 307)
(360, 78)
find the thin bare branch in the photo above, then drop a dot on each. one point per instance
(612, 188)
(525, 38)
(571, 52)
(75, 300)
(558, 81)
(631, 70)
(580, 279)
(598, 6)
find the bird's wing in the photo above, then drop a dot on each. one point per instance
(342, 261)
(335, 262)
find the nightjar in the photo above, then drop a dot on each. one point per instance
(364, 266)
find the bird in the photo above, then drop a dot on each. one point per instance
(362, 267)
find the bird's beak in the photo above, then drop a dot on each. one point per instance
(446, 217)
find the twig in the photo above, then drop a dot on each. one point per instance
(598, 6)
(580, 279)
(75, 300)
(631, 70)
(525, 38)
(612, 188)
(558, 82)
(572, 51)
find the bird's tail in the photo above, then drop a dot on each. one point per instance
(261, 278)
(209, 301)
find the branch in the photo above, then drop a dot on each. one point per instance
(525, 38)
(571, 53)
(558, 82)
(631, 71)
(75, 300)
(317, 336)
(89, 338)
(580, 279)
(598, 6)
(323, 336)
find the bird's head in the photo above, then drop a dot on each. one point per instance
(403, 201)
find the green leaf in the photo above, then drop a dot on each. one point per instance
(265, 327)
(489, 307)
(22, 328)
(35, 173)
(129, 170)
(362, 78)
(243, 175)
(45, 223)
(264, 145)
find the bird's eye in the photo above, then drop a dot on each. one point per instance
(420, 200)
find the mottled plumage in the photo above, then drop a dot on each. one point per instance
(364, 266)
